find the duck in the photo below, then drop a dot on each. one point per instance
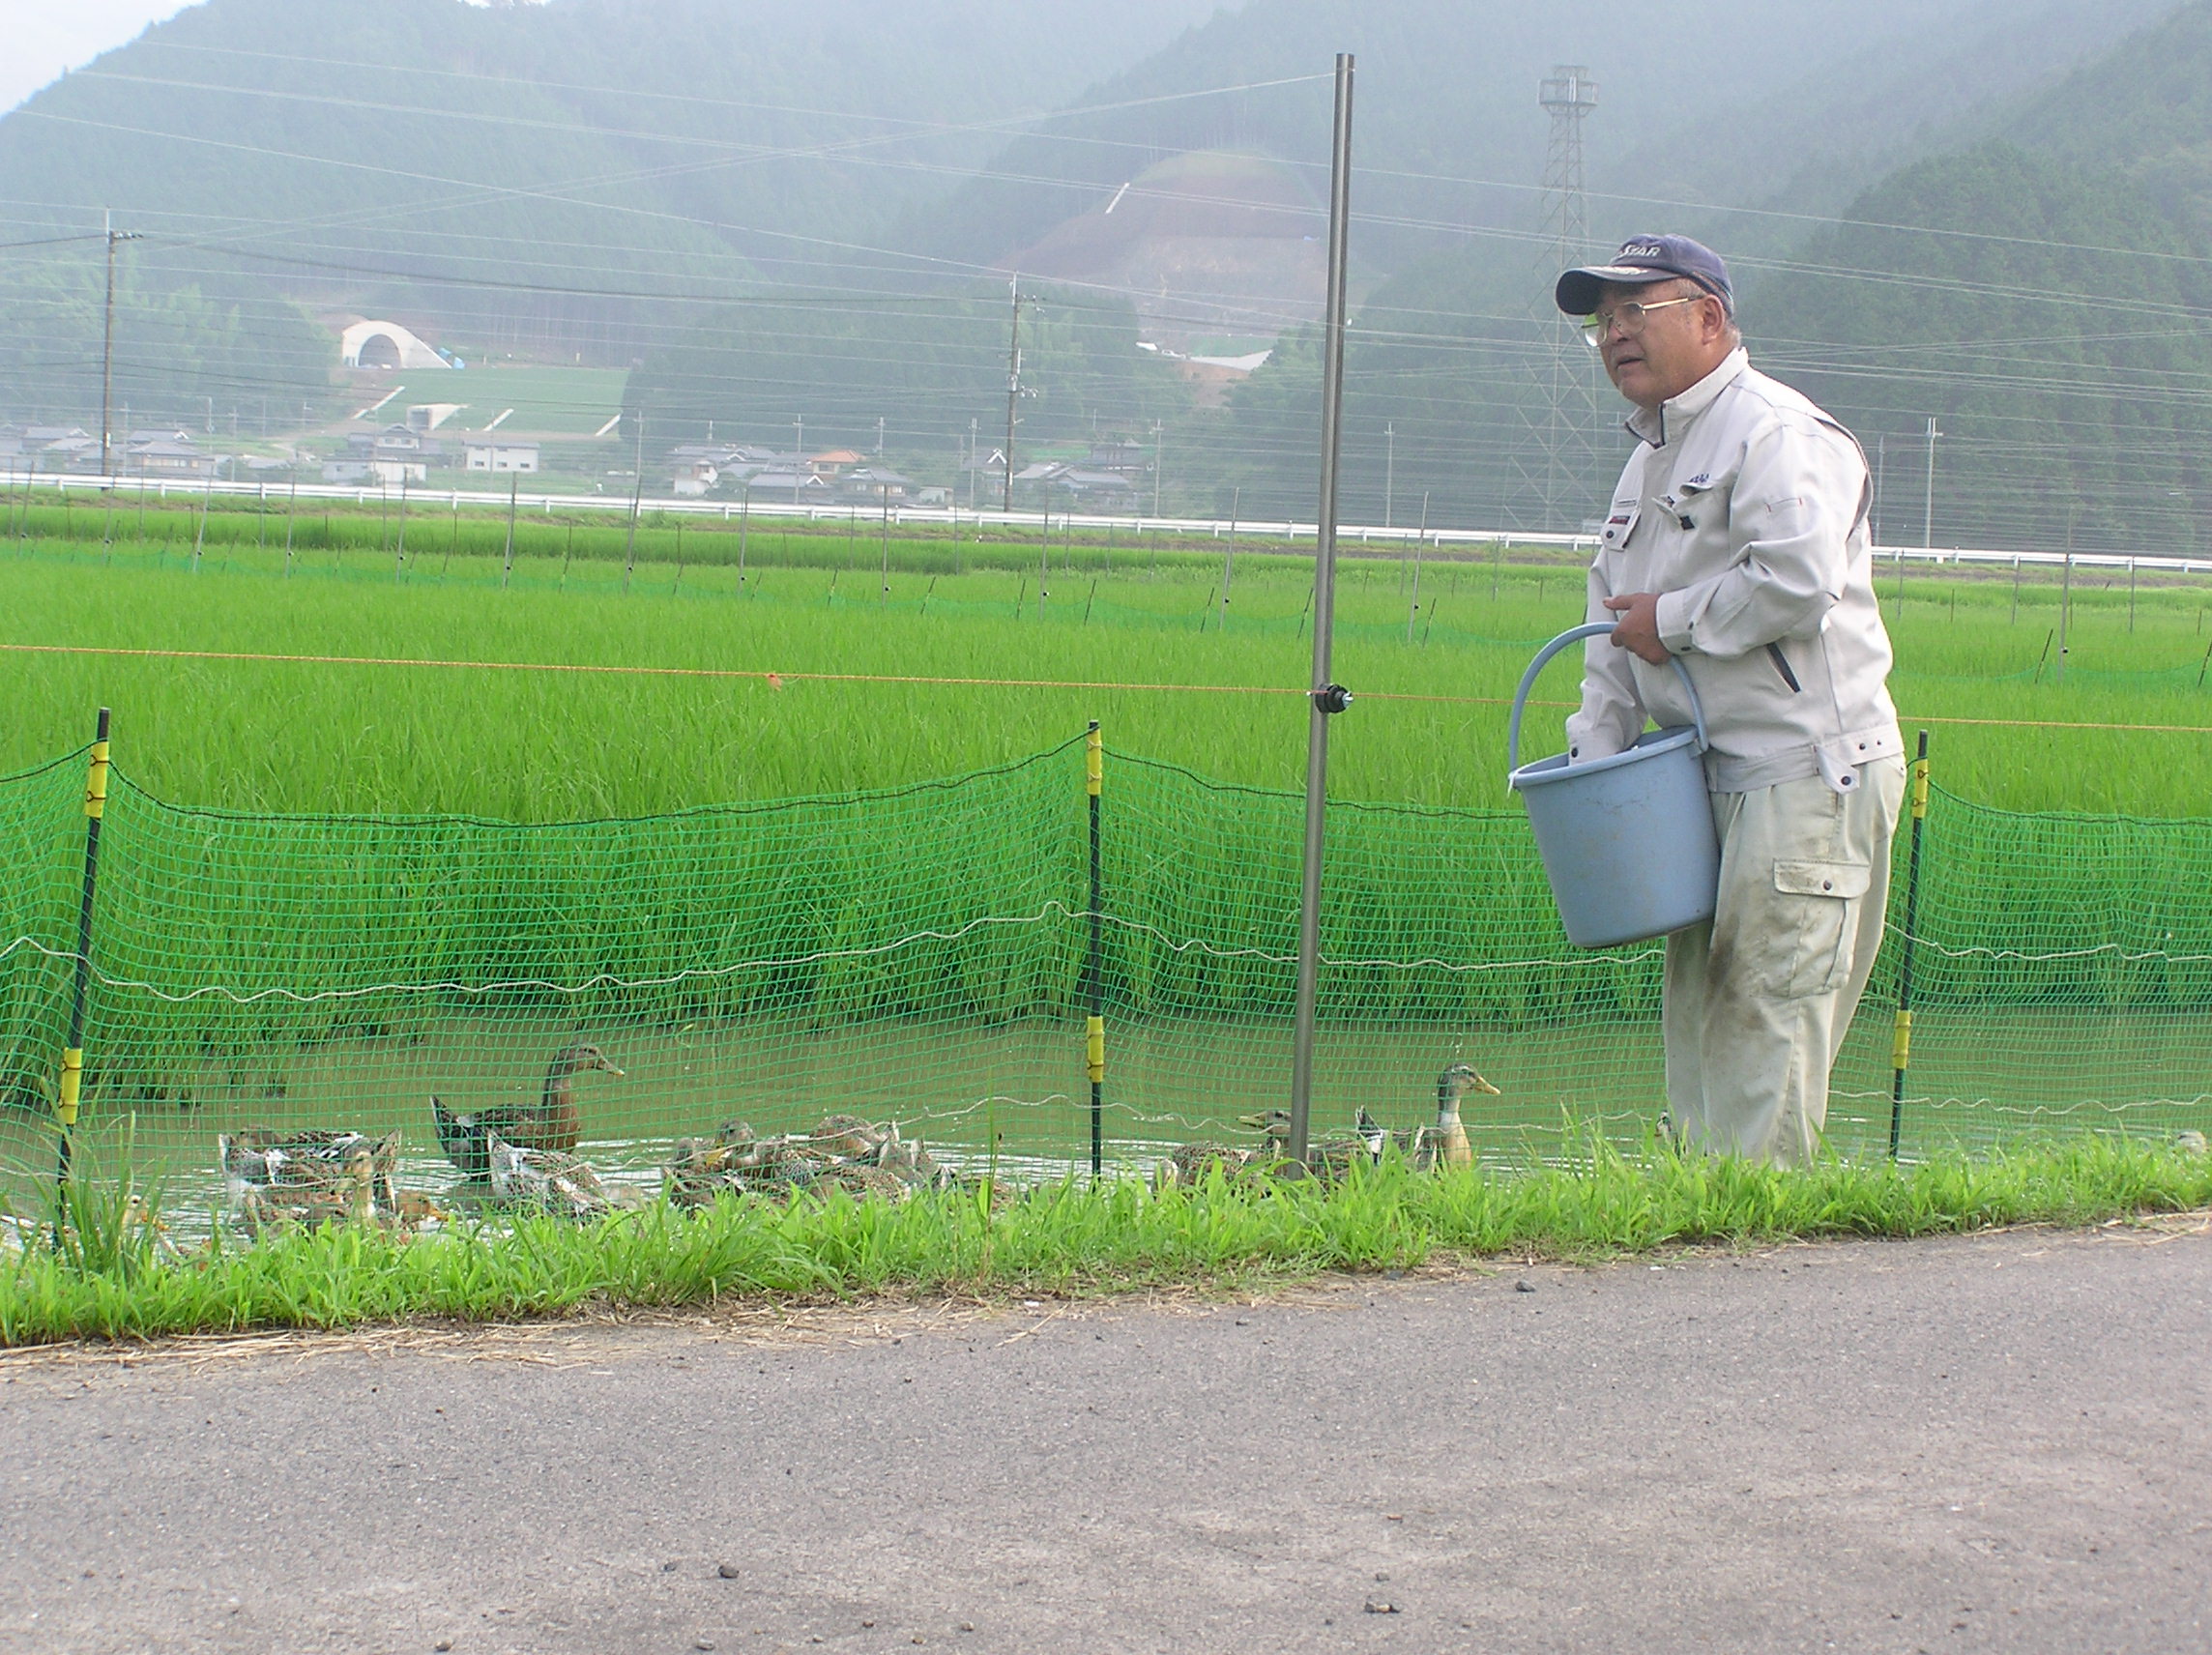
(349, 1197)
(909, 1160)
(1332, 1156)
(552, 1123)
(551, 1180)
(315, 1159)
(1445, 1144)
(1190, 1164)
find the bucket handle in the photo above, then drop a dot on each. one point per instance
(1575, 635)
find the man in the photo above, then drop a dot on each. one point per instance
(1737, 544)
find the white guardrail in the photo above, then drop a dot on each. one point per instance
(1351, 537)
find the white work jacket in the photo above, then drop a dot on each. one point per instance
(1744, 508)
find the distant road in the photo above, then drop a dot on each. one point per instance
(1998, 1443)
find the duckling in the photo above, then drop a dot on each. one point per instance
(1445, 1144)
(553, 1122)
(2190, 1142)
(549, 1179)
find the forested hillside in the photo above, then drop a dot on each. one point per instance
(2059, 343)
(559, 179)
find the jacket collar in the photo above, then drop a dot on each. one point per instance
(1651, 427)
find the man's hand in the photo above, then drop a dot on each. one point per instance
(1639, 629)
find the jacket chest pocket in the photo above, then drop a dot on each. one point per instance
(1619, 524)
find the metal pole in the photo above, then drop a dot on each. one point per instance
(1928, 521)
(1228, 563)
(1013, 393)
(107, 351)
(72, 1051)
(1094, 1030)
(1327, 698)
(400, 561)
(514, 492)
(1389, 469)
(636, 495)
(1900, 1042)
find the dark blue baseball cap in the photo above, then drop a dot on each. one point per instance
(1646, 259)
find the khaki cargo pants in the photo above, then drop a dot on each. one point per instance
(1758, 1002)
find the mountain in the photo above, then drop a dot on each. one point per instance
(564, 178)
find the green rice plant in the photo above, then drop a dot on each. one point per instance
(311, 736)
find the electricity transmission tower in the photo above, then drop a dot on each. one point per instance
(1568, 446)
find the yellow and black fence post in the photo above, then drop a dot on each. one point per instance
(1093, 970)
(72, 1051)
(1900, 1042)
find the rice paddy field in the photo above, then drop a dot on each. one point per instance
(330, 722)
(940, 653)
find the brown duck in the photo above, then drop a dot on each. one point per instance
(552, 1123)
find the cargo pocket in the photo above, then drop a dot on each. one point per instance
(1820, 897)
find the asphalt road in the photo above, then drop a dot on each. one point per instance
(1998, 1443)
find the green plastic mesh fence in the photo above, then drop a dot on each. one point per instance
(924, 955)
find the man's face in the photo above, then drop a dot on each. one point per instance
(1679, 344)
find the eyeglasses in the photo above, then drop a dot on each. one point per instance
(1631, 316)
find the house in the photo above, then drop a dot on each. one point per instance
(499, 454)
(832, 463)
(802, 487)
(876, 485)
(395, 454)
(162, 456)
(1124, 456)
(1077, 486)
(694, 470)
(429, 416)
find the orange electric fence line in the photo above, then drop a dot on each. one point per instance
(777, 679)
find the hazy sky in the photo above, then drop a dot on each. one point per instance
(44, 38)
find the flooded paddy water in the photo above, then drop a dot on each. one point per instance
(1013, 1099)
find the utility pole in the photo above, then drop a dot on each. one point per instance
(636, 500)
(1880, 463)
(108, 345)
(1928, 522)
(1159, 460)
(1389, 469)
(1013, 392)
(879, 436)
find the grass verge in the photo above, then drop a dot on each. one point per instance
(110, 1278)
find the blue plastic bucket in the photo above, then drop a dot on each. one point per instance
(1627, 840)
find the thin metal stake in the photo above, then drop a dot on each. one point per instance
(1094, 1031)
(1327, 698)
(72, 1050)
(1900, 1042)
